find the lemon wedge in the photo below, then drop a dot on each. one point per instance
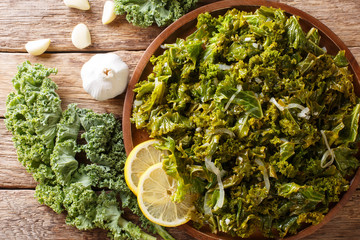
(139, 160)
(154, 198)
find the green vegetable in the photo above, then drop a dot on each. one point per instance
(47, 143)
(258, 119)
(144, 13)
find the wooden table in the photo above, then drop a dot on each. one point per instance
(21, 216)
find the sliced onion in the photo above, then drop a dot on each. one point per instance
(304, 110)
(211, 167)
(258, 80)
(265, 173)
(224, 67)
(323, 162)
(327, 153)
(239, 88)
(138, 102)
(295, 105)
(224, 130)
(273, 101)
(304, 113)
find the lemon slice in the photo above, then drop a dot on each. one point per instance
(139, 160)
(154, 198)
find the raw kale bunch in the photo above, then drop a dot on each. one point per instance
(258, 119)
(144, 13)
(48, 145)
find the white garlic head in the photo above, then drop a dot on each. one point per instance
(105, 76)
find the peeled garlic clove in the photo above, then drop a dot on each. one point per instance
(80, 36)
(37, 47)
(78, 4)
(108, 12)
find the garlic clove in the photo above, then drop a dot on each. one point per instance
(80, 36)
(108, 12)
(37, 47)
(78, 4)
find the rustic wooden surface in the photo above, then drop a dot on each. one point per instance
(21, 216)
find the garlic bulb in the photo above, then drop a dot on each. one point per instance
(105, 76)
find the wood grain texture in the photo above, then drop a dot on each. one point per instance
(23, 20)
(68, 78)
(22, 217)
(12, 173)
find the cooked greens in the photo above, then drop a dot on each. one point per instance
(258, 119)
(47, 144)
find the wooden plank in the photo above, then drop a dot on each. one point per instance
(68, 78)
(12, 173)
(24, 20)
(30, 20)
(22, 217)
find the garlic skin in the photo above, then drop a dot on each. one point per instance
(78, 4)
(37, 47)
(105, 76)
(108, 12)
(80, 36)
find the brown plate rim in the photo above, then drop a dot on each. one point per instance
(227, 4)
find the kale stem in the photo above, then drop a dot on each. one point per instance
(163, 233)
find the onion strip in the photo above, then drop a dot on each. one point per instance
(224, 130)
(212, 168)
(281, 108)
(239, 88)
(327, 153)
(265, 173)
(304, 110)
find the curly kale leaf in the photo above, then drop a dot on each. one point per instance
(103, 137)
(32, 114)
(144, 13)
(63, 160)
(47, 142)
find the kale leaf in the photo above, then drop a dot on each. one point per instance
(144, 13)
(48, 143)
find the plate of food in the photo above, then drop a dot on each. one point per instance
(255, 106)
